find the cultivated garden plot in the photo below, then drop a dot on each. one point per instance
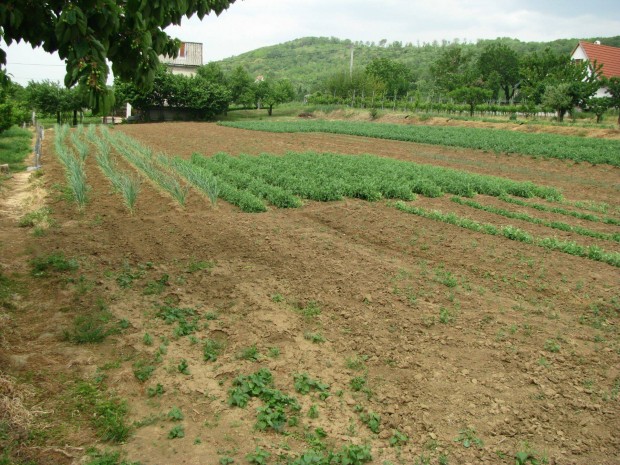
(370, 309)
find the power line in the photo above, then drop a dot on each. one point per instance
(30, 64)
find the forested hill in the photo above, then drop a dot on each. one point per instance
(309, 60)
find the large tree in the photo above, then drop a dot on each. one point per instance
(453, 69)
(86, 33)
(395, 76)
(499, 67)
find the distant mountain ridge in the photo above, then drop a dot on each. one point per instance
(308, 61)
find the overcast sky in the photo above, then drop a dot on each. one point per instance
(250, 24)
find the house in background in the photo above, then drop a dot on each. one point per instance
(188, 61)
(605, 55)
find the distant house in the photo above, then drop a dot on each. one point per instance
(188, 61)
(605, 55)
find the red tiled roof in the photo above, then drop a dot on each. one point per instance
(604, 55)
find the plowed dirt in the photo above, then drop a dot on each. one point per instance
(457, 334)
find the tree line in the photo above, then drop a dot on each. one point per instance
(540, 80)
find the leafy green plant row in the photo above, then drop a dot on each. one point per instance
(561, 211)
(327, 177)
(530, 219)
(595, 151)
(143, 159)
(122, 182)
(213, 187)
(592, 252)
(74, 167)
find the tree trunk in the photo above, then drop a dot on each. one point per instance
(270, 110)
(58, 117)
(74, 118)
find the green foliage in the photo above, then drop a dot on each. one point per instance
(250, 353)
(183, 367)
(199, 95)
(158, 391)
(211, 349)
(398, 438)
(54, 263)
(89, 329)
(142, 370)
(157, 286)
(74, 167)
(358, 383)
(177, 432)
(471, 95)
(273, 414)
(467, 437)
(142, 158)
(592, 150)
(107, 412)
(304, 384)
(372, 420)
(258, 457)
(131, 38)
(97, 457)
(591, 252)
(175, 414)
(551, 224)
(15, 146)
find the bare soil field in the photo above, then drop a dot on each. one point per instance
(440, 345)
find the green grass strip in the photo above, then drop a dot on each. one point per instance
(15, 146)
(530, 219)
(560, 211)
(580, 149)
(593, 252)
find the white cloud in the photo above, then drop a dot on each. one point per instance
(250, 24)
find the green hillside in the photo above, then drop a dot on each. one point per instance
(309, 60)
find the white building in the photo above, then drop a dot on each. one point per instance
(188, 61)
(605, 55)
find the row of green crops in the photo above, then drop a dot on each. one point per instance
(579, 149)
(530, 219)
(74, 166)
(142, 158)
(283, 180)
(561, 211)
(122, 182)
(593, 252)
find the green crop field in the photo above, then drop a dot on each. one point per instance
(579, 149)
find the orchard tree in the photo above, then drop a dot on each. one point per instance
(557, 98)
(86, 33)
(395, 76)
(598, 106)
(499, 67)
(272, 93)
(453, 69)
(471, 95)
(240, 86)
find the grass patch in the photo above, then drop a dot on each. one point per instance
(15, 146)
(107, 412)
(53, 263)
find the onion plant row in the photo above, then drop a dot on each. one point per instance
(142, 158)
(122, 182)
(283, 180)
(560, 211)
(580, 149)
(74, 166)
(531, 219)
(592, 252)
